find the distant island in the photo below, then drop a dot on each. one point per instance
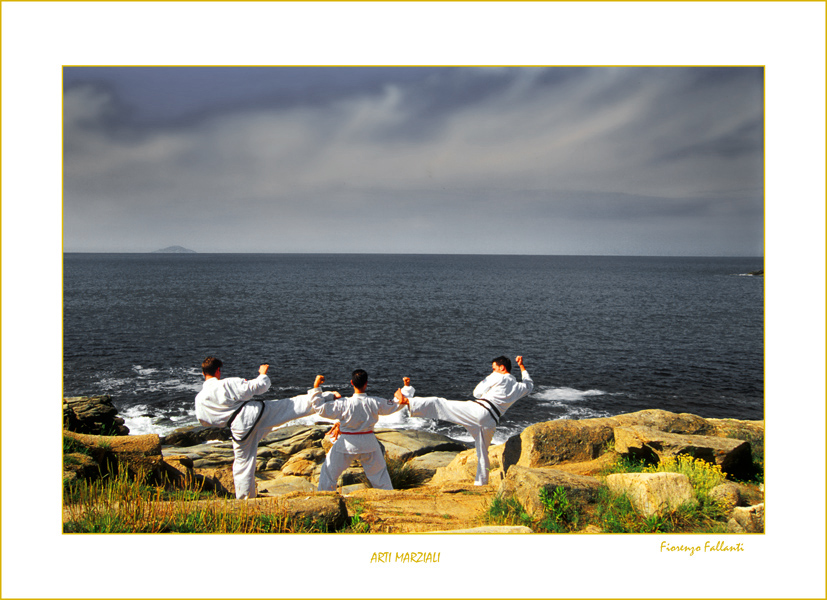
(174, 250)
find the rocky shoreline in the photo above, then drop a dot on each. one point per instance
(568, 454)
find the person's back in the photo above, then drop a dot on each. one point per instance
(357, 416)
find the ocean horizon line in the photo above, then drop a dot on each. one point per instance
(750, 256)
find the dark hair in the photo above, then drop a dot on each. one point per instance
(211, 365)
(359, 379)
(503, 361)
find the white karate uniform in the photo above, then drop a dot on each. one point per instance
(479, 418)
(408, 391)
(220, 398)
(357, 416)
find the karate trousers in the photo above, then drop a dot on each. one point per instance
(336, 462)
(276, 412)
(477, 421)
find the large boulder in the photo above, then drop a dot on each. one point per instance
(326, 509)
(139, 455)
(653, 493)
(463, 468)
(94, 415)
(733, 456)
(524, 484)
(747, 519)
(122, 446)
(579, 441)
(554, 442)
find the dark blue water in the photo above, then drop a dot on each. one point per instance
(599, 335)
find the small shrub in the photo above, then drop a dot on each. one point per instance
(702, 475)
(560, 514)
(624, 463)
(507, 511)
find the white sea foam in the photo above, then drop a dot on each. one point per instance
(565, 394)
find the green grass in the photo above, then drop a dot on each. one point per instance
(507, 511)
(560, 514)
(611, 513)
(124, 504)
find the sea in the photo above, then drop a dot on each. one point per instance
(600, 335)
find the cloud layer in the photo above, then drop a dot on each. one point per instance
(444, 160)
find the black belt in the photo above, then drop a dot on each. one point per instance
(492, 410)
(235, 414)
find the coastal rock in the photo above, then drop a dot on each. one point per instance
(490, 529)
(747, 520)
(405, 444)
(94, 415)
(429, 463)
(736, 428)
(77, 465)
(291, 439)
(140, 455)
(733, 456)
(184, 437)
(524, 484)
(665, 421)
(123, 446)
(564, 442)
(726, 495)
(284, 484)
(463, 468)
(305, 463)
(555, 442)
(327, 509)
(653, 493)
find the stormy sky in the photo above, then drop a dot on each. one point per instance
(530, 160)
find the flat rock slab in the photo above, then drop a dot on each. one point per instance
(122, 445)
(491, 529)
(285, 484)
(408, 443)
(428, 508)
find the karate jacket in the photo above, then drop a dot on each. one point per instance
(219, 398)
(359, 413)
(503, 389)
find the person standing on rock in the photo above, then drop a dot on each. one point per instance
(228, 403)
(357, 416)
(480, 417)
(407, 389)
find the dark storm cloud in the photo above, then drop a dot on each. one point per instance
(441, 153)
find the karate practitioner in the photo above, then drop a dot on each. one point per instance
(228, 403)
(407, 389)
(357, 416)
(480, 417)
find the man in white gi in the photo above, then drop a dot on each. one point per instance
(228, 403)
(357, 416)
(407, 389)
(480, 417)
